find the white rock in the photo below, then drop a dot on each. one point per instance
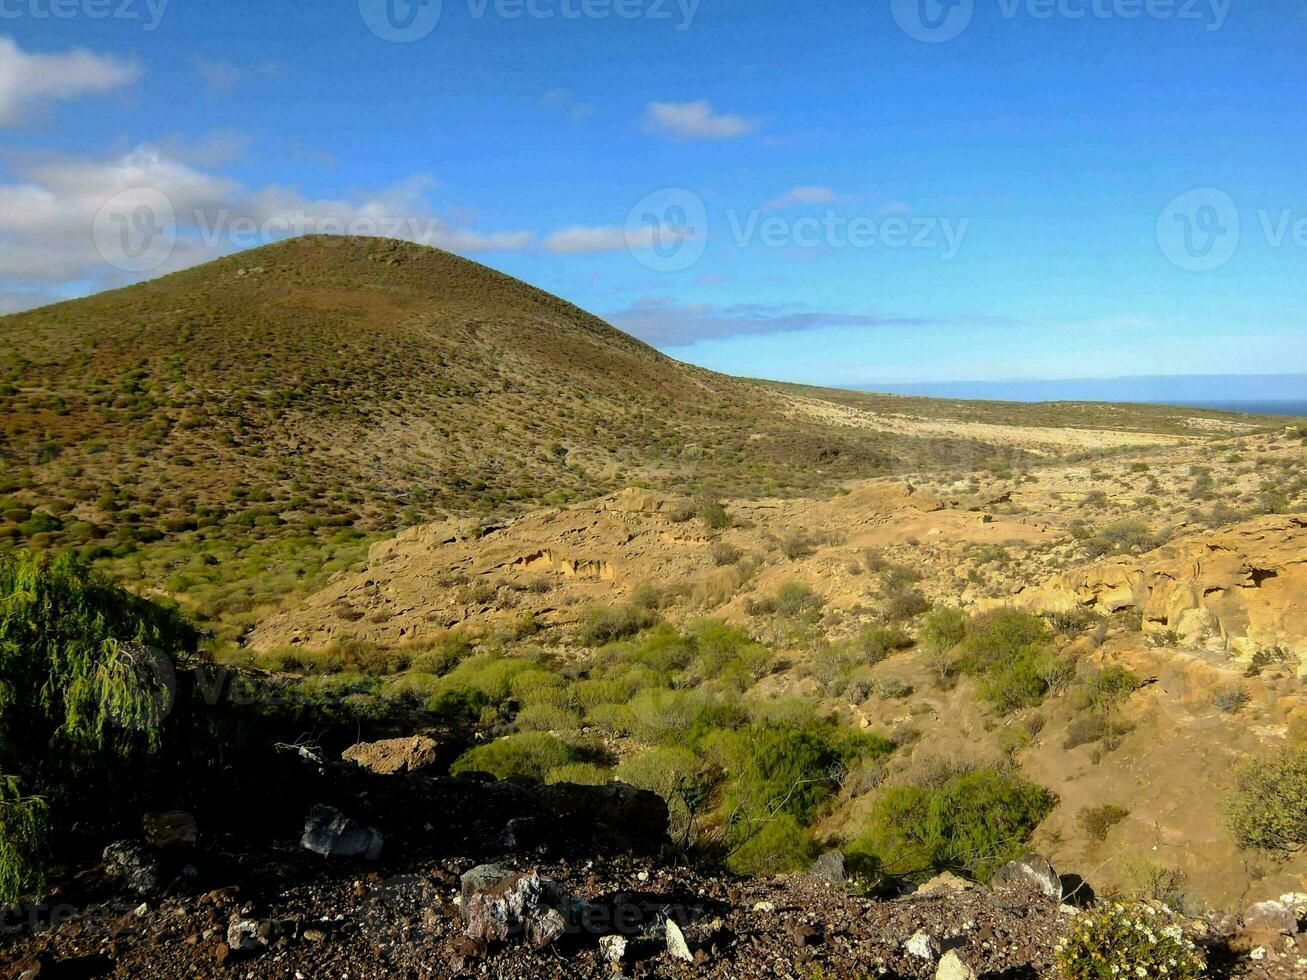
(613, 948)
(922, 945)
(676, 944)
(765, 907)
(952, 967)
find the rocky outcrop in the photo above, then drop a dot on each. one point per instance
(394, 755)
(500, 906)
(1238, 590)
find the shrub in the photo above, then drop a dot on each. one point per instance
(476, 684)
(1097, 821)
(84, 704)
(904, 604)
(972, 822)
(676, 774)
(1231, 699)
(724, 554)
(795, 599)
(1115, 940)
(796, 545)
(777, 770)
(944, 629)
(1070, 622)
(1009, 651)
(878, 642)
(527, 756)
(1268, 809)
(547, 718)
(1105, 689)
(1123, 537)
(580, 773)
(714, 515)
(1093, 728)
(601, 625)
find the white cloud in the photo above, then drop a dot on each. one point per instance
(47, 219)
(28, 81)
(803, 195)
(581, 240)
(222, 77)
(695, 121)
(566, 101)
(666, 323)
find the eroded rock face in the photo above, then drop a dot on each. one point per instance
(1239, 590)
(394, 755)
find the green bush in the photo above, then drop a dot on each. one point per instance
(601, 625)
(83, 703)
(1105, 689)
(878, 642)
(971, 822)
(676, 774)
(1098, 821)
(527, 756)
(474, 685)
(1268, 809)
(1123, 537)
(580, 773)
(714, 515)
(1114, 941)
(1010, 652)
(795, 599)
(903, 604)
(774, 771)
(944, 629)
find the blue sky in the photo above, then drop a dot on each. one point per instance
(861, 205)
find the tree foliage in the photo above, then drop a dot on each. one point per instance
(85, 689)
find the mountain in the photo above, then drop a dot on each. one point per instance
(239, 430)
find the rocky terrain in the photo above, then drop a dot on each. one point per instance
(429, 877)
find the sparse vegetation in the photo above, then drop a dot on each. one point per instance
(1268, 809)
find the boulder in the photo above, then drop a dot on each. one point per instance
(636, 501)
(677, 947)
(922, 945)
(132, 864)
(945, 882)
(953, 967)
(500, 906)
(1027, 873)
(1271, 917)
(173, 830)
(831, 867)
(394, 755)
(330, 833)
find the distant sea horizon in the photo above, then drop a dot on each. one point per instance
(1273, 394)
